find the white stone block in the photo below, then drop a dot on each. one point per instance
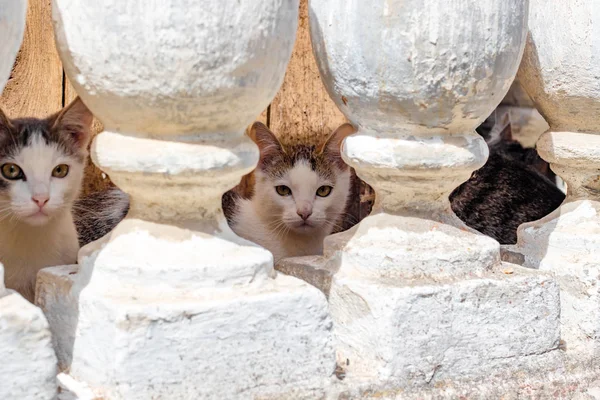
(567, 244)
(414, 332)
(404, 247)
(262, 341)
(28, 363)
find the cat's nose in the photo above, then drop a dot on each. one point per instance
(304, 214)
(40, 199)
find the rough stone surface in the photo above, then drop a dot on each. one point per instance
(418, 79)
(175, 103)
(414, 287)
(282, 329)
(28, 367)
(555, 244)
(417, 332)
(406, 248)
(560, 67)
(175, 83)
(560, 72)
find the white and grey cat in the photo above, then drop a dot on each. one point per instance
(295, 197)
(42, 165)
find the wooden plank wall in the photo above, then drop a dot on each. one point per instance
(35, 88)
(301, 111)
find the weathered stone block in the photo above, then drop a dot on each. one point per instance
(556, 244)
(268, 341)
(413, 332)
(28, 366)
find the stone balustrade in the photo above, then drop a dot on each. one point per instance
(417, 297)
(561, 73)
(173, 304)
(410, 302)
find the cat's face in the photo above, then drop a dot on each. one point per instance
(42, 164)
(302, 188)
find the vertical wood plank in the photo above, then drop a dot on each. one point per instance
(302, 111)
(35, 86)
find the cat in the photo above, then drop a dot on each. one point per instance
(497, 132)
(97, 214)
(41, 171)
(513, 187)
(296, 196)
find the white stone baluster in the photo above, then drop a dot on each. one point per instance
(28, 362)
(172, 304)
(12, 27)
(561, 73)
(417, 296)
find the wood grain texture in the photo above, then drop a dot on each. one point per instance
(35, 85)
(302, 111)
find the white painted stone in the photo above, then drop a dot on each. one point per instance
(28, 367)
(407, 248)
(560, 72)
(417, 81)
(172, 304)
(566, 244)
(260, 341)
(417, 296)
(419, 331)
(12, 27)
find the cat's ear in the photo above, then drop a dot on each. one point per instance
(5, 124)
(333, 143)
(76, 121)
(267, 142)
(332, 147)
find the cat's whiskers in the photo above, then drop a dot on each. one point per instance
(279, 230)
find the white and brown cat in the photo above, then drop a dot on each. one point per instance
(42, 165)
(295, 197)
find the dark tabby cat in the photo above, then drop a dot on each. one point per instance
(513, 187)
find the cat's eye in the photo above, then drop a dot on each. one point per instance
(324, 191)
(283, 190)
(12, 172)
(60, 171)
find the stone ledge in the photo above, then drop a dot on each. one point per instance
(415, 333)
(261, 342)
